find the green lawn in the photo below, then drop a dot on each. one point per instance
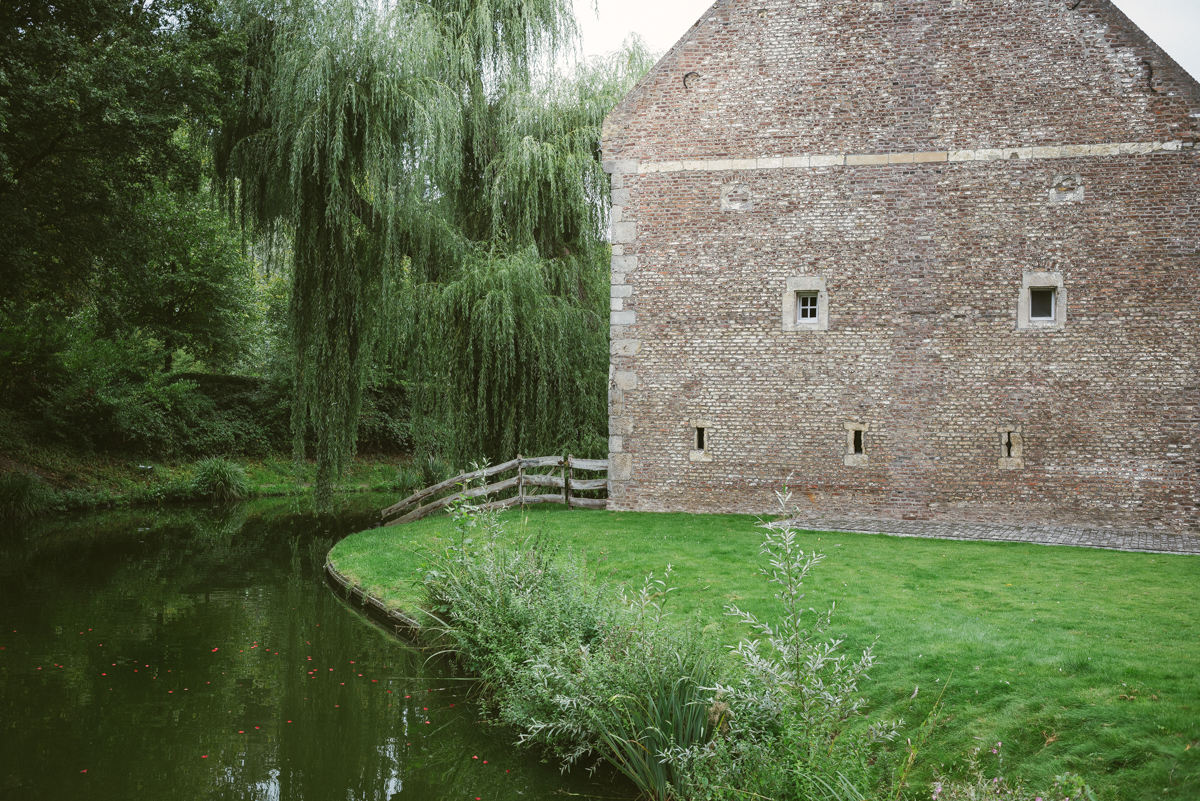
(1076, 659)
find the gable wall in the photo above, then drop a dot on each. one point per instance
(912, 170)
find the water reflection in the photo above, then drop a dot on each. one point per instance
(195, 653)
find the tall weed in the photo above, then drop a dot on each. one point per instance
(23, 496)
(219, 479)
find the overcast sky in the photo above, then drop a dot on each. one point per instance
(1173, 24)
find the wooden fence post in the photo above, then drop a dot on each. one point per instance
(568, 470)
(521, 482)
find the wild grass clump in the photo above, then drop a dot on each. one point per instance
(580, 671)
(23, 495)
(220, 479)
(975, 786)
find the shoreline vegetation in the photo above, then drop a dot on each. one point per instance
(46, 480)
(1013, 665)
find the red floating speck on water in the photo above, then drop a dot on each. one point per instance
(204, 756)
(103, 674)
(289, 721)
(240, 731)
(83, 771)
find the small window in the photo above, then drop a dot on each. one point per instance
(805, 304)
(1012, 447)
(856, 452)
(701, 434)
(1041, 303)
(806, 307)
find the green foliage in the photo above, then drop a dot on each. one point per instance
(383, 144)
(219, 479)
(674, 713)
(185, 283)
(514, 354)
(577, 674)
(95, 95)
(23, 496)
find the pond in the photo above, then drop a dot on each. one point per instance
(197, 653)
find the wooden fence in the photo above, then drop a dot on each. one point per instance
(565, 480)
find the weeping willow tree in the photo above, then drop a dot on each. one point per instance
(512, 347)
(436, 193)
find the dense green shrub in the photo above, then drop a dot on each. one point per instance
(220, 480)
(23, 496)
(577, 673)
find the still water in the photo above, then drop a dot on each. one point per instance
(196, 653)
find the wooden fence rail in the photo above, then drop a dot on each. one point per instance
(565, 481)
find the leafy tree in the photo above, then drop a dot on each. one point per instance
(185, 282)
(386, 143)
(94, 93)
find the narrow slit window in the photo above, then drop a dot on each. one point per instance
(699, 438)
(1041, 303)
(1008, 443)
(858, 448)
(806, 306)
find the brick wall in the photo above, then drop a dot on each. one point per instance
(922, 159)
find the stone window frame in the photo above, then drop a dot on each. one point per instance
(696, 454)
(800, 285)
(852, 459)
(1042, 280)
(1016, 435)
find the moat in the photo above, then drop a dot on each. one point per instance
(197, 653)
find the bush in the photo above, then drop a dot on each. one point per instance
(23, 496)
(578, 673)
(796, 723)
(220, 480)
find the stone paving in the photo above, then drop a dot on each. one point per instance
(1143, 540)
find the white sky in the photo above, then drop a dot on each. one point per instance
(1173, 24)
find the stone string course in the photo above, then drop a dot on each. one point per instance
(879, 159)
(925, 159)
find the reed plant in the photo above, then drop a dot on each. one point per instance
(220, 479)
(23, 496)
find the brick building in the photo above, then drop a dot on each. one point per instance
(935, 259)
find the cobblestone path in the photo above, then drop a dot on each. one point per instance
(1144, 540)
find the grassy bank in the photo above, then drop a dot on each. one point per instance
(1076, 659)
(86, 480)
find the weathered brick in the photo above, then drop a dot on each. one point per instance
(984, 145)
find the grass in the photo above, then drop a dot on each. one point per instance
(87, 480)
(1076, 659)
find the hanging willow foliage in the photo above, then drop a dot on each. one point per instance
(513, 349)
(384, 141)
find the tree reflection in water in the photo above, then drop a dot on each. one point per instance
(196, 653)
